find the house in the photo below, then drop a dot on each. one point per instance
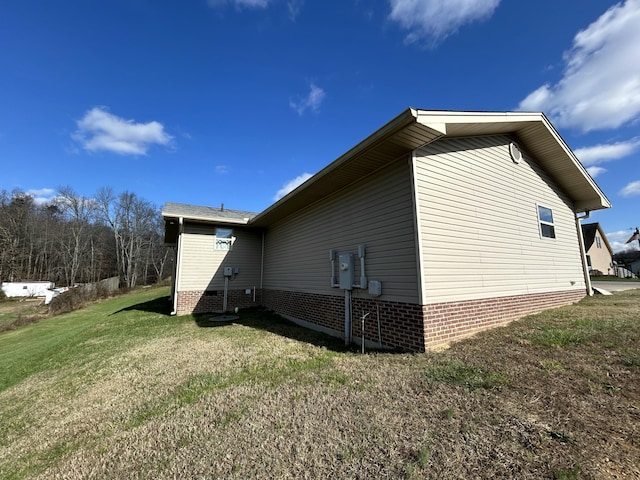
(598, 250)
(436, 226)
(26, 289)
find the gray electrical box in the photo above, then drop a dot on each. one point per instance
(375, 288)
(228, 271)
(346, 271)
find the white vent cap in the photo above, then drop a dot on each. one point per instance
(515, 152)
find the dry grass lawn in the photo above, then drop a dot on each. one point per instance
(122, 390)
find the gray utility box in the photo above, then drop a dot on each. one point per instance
(347, 272)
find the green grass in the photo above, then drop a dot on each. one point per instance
(78, 339)
(123, 390)
(473, 377)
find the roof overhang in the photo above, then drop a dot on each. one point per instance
(176, 214)
(414, 128)
(205, 214)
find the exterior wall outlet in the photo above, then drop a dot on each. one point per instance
(375, 288)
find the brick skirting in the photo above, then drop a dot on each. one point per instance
(409, 326)
(449, 321)
(403, 325)
(212, 301)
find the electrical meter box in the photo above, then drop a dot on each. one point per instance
(347, 272)
(228, 271)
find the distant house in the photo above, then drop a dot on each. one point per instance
(26, 289)
(436, 226)
(598, 250)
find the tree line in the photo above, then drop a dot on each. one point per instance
(76, 239)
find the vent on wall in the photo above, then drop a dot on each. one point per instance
(515, 152)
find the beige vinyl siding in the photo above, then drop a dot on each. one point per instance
(600, 257)
(202, 265)
(479, 224)
(377, 212)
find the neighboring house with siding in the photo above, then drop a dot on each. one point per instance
(439, 224)
(598, 250)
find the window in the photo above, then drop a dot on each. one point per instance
(545, 217)
(598, 242)
(224, 237)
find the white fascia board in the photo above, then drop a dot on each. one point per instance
(429, 117)
(197, 218)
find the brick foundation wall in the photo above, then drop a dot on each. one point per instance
(449, 321)
(400, 323)
(403, 325)
(205, 302)
(409, 326)
(324, 310)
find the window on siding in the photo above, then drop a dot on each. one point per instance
(224, 237)
(545, 217)
(598, 242)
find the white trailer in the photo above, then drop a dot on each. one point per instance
(26, 289)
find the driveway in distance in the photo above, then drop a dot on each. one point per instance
(616, 286)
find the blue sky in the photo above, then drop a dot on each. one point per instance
(234, 101)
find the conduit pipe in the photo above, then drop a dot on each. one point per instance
(347, 317)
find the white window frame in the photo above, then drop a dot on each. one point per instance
(598, 242)
(547, 223)
(224, 238)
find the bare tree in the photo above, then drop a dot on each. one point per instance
(75, 244)
(131, 220)
(17, 221)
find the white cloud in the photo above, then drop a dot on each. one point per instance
(595, 171)
(292, 185)
(240, 3)
(222, 169)
(600, 87)
(631, 190)
(41, 195)
(432, 21)
(100, 130)
(312, 101)
(618, 240)
(607, 152)
(294, 7)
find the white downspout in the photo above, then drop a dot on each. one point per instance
(583, 253)
(174, 281)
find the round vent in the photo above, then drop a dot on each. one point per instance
(515, 152)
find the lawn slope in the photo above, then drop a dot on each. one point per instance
(123, 390)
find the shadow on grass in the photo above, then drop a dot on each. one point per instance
(160, 306)
(270, 322)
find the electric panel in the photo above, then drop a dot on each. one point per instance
(347, 272)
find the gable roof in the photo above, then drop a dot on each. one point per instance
(414, 128)
(589, 235)
(206, 214)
